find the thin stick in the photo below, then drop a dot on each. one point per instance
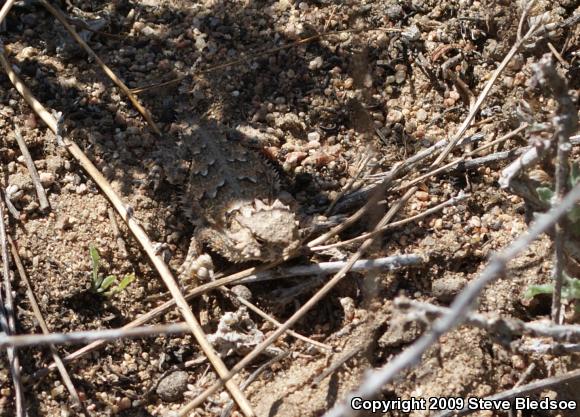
(272, 320)
(526, 374)
(11, 209)
(505, 137)
(363, 164)
(296, 316)
(66, 379)
(5, 9)
(428, 312)
(91, 335)
(521, 391)
(431, 173)
(474, 109)
(158, 311)
(540, 347)
(565, 121)
(32, 170)
(253, 376)
(249, 275)
(8, 320)
(462, 304)
(137, 231)
(388, 263)
(557, 55)
(116, 80)
(336, 365)
(452, 201)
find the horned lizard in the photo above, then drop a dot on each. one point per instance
(231, 195)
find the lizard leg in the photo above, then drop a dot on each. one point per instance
(197, 265)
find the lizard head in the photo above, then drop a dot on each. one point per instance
(257, 231)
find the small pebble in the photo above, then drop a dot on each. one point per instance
(475, 221)
(394, 116)
(421, 115)
(242, 291)
(81, 189)
(316, 63)
(294, 158)
(172, 386)
(47, 179)
(124, 404)
(313, 136)
(422, 195)
(446, 288)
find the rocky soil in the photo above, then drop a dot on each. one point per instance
(385, 80)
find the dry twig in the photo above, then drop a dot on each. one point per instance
(459, 308)
(137, 231)
(5, 9)
(482, 96)
(66, 379)
(92, 335)
(8, 320)
(117, 233)
(520, 391)
(565, 122)
(505, 327)
(301, 311)
(32, 170)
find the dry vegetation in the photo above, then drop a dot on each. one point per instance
(351, 102)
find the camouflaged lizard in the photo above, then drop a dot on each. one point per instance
(231, 196)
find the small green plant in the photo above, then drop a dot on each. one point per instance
(570, 290)
(546, 195)
(570, 285)
(101, 284)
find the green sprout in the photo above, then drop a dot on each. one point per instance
(570, 285)
(570, 289)
(101, 284)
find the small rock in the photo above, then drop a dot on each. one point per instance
(294, 158)
(446, 288)
(30, 121)
(475, 221)
(438, 225)
(172, 386)
(313, 144)
(314, 137)
(124, 404)
(316, 63)
(400, 76)
(57, 391)
(47, 179)
(421, 115)
(291, 123)
(31, 207)
(63, 223)
(81, 189)
(54, 164)
(242, 291)
(422, 195)
(394, 116)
